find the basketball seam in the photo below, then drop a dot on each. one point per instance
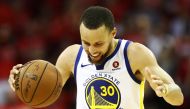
(51, 93)
(22, 80)
(37, 84)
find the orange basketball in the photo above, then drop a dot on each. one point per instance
(38, 84)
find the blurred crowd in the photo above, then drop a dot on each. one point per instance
(42, 29)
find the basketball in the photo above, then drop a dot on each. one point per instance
(38, 84)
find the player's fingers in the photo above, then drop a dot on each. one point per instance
(17, 66)
(161, 91)
(147, 73)
(155, 77)
(12, 87)
(158, 93)
(11, 79)
(158, 82)
(14, 71)
(160, 88)
(11, 82)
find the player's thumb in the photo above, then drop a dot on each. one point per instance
(147, 73)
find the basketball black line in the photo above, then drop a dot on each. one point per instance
(22, 80)
(51, 93)
(37, 84)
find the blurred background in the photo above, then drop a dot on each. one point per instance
(42, 29)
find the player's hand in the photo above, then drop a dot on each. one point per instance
(156, 83)
(13, 73)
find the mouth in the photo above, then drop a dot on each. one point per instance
(95, 58)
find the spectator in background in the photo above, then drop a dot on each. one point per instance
(17, 15)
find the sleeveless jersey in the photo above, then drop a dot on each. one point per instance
(110, 85)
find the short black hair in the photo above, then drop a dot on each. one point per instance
(96, 16)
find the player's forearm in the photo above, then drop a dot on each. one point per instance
(174, 95)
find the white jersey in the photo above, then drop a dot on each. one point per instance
(111, 85)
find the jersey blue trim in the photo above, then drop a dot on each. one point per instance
(128, 64)
(101, 66)
(77, 61)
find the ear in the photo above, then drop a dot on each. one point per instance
(114, 32)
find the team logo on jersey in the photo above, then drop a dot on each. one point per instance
(115, 64)
(101, 93)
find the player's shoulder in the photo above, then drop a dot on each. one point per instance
(73, 48)
(67, 58)
(138, 48)
(71, 51)
(139, 56)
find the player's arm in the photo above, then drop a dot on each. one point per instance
(143, 60)
(66, 60)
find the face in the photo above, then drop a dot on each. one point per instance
(96, 42)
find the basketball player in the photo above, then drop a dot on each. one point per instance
(110, 73)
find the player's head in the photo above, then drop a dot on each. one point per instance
(97, 32)
(96, 16)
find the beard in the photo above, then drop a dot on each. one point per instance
(102, 57)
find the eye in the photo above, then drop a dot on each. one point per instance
(99, 44)
(86, 43)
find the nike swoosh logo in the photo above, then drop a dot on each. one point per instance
(84, 65)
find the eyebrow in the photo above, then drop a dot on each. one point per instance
(95, 42)
(85, 41)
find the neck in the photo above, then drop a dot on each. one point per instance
(112, 46)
